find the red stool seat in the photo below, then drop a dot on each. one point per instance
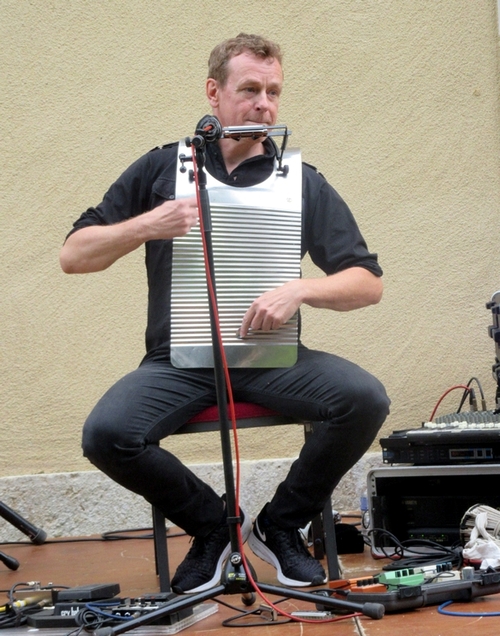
(242, 410)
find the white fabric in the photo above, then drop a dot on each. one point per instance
(481, 545)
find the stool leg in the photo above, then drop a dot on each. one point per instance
(317, 538)
(161, 551)
(332, 558)
(323, 531)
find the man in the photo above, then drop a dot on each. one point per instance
(121, 435)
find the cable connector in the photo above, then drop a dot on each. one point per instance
(311, 615)
(472, 400)
(430, 571)
(401, 577)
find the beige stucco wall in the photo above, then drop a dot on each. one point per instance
(396, 101)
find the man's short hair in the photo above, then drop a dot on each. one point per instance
(244, 42)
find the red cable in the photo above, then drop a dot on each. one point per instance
(213, 299)
(457, 386)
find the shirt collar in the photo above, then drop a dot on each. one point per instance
(248, 173)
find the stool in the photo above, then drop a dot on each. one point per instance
(248, 416)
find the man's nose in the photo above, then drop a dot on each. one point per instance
(262, 102)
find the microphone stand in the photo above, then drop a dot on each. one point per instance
(220, 381)
(36, 535)
(234, 579)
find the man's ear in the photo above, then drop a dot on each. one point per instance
(212, 91)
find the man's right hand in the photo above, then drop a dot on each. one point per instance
(171, 218)
(97, 247)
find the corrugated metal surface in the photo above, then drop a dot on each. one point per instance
(256, 247)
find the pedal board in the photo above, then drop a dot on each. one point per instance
(80, 606)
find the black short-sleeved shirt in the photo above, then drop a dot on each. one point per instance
(329, 231)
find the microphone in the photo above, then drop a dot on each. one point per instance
(209, 129)
(36, 535)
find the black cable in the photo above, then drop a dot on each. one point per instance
(416, 552)
(472, 398)
(55, 541)
(258, 611)
(476, 380)
(472, 395)
(415, 562)
(111, 535)
(16, 616)
(116, 535)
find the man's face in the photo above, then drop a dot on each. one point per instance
(251, 93)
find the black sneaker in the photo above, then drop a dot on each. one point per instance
(202, 566)
(286, 551)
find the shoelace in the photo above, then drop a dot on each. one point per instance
(294, 550)
(207, 546)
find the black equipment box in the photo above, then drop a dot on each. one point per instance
(427, 502)
(470, 437)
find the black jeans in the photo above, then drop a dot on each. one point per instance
(122, 433)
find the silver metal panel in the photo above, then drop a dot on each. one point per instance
(256, 235)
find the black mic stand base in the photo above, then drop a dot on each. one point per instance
(235, 581)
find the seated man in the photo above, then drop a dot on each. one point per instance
(121, 435)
